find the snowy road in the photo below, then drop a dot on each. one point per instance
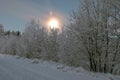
(16, 69)
(22, 69)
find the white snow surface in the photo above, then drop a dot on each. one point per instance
(15, 68)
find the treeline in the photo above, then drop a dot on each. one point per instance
(91, 40)
(7, 33)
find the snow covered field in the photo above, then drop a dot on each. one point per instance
(12, 68)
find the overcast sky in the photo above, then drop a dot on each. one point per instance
(15, 14)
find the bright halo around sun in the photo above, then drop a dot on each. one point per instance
(53, 23)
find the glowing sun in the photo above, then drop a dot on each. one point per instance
(53, 23)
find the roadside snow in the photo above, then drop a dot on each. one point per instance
(15, 68)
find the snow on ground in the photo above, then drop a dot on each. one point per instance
(15, 68)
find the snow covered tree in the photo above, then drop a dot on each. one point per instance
(8, 44)
(95, 24)
(33, 39)
(70, 48)
(51, 45)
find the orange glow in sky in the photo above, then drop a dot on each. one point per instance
(53, 23)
